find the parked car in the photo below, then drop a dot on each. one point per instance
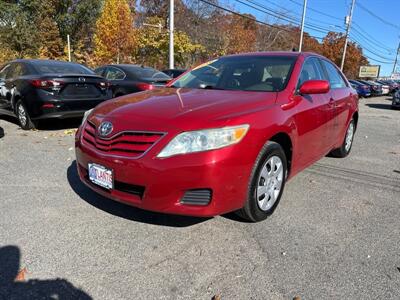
(376, 89)
(173, 73)
(363, 90)
(38, 89)
(396, 100)
(225, 136)
(385, 87)
(127, 79)
(393, 86)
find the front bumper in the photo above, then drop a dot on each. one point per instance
(159, 184)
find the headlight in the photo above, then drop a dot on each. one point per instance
(86, 114)
(203, 140)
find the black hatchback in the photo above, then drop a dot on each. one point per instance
(126, 79)
(38, 89)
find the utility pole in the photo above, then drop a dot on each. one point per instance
(171, 34)
(69, 48)
(348, 22)
(395, 61)
(302, 24)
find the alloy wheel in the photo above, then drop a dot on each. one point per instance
(22, 115)
(349, 136)
(269, 183)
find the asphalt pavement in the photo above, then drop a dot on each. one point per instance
(335, 234)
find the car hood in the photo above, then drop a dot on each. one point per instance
(183, 109)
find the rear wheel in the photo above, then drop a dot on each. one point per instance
(24, 119)
(345, 148)
(267, 183)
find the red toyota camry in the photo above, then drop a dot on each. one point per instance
(225, 136)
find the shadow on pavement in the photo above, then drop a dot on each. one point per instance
(1, 132)
(48, 124)
(379, 105)
(10, 288)
(125, 211)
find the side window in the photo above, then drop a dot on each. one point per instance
(311, 71)
(335, 79)
(114, 74)
(99, 71)
(16, 71)
(3, 72)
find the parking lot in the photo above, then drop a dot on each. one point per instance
(335, 234)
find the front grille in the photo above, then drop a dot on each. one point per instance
(132, 189)
(197, 197)
(127, 143)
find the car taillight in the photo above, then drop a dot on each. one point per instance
(44, 84)
(145, 86)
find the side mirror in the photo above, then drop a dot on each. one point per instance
(310, 87)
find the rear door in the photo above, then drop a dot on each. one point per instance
(339, 96)
(314, 116)
(119, 85)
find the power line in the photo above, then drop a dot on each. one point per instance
(254, 19)
(378, 17)
(317, 11)
(369, 37)
(286, 18)
(387, 60)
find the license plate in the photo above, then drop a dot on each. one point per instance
(100, 175)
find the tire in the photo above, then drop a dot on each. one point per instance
(345, 148)
(24, 119)
(260, 205)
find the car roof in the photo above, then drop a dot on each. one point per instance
(127, 66)
(36, 61)
(277, 53)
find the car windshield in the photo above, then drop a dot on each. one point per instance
(243, 73)
(52, 67)
(146, 72)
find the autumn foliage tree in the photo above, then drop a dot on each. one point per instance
(239, 33)
(332, 48)
(114, 37)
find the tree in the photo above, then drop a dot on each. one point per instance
(114, 37)
(332, 48)
(240, 34)
(153, 46)
(16, 32)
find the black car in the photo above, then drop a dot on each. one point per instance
(376, 89)
(127, 79)
(174, 72)
(38, 89)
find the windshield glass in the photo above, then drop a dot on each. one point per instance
(146, 72)
(53, 67)
(243, 73)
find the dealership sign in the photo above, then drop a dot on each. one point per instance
(369, 71)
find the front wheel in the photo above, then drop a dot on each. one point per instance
(266, 184)
(345, 148)
(24, 119)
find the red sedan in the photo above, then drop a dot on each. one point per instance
(223, 137)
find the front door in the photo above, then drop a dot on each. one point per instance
(314, 116)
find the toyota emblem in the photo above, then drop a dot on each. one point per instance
(82, 79)
(105, 128)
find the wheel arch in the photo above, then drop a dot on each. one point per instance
(283, 139)
(355, 117)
